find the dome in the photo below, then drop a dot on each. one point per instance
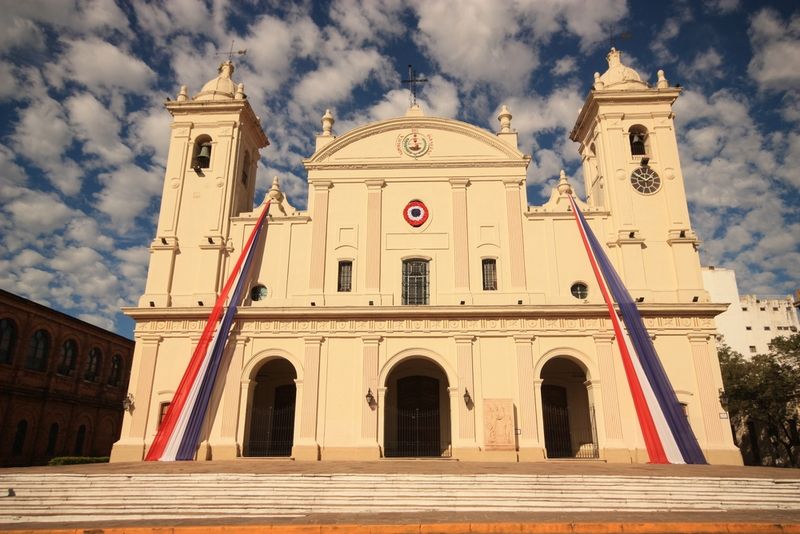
(221, 87)
(618, 76)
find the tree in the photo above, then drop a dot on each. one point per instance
(765, 391)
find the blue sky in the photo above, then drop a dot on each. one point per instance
(83, 135)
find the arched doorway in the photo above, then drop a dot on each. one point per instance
(568, 417)
(271, 421)
(417, 410)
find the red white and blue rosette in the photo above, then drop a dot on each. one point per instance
(416, 213)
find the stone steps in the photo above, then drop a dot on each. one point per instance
(59, 498)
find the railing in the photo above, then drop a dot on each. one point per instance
(271, 434)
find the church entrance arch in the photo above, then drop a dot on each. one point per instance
(271, 413)
(568, 417)
(417, 410)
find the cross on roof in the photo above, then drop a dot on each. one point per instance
(413, 81)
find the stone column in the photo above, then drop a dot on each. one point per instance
(319, 236)
(226, 447)
(515, 237)
(466, 414)
(307, 447)
(131, 445)
(460, 237)
(707, 391)
(530, 447)
(373, 255)
(369, 414)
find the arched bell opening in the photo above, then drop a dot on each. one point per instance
(271, 413)
(567, 415)
(417, 410)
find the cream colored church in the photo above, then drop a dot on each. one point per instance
(420, 307)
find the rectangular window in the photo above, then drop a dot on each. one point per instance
(767, 328)
(415, 282)
(774, 309)
(752, 348)
(744, 308)
(748, 327)
(345, 276)
(763, 309)
(489, 275)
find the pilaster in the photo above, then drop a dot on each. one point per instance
(466, 414)
(319, 236)
(373, 256)
(515, 238)
(369, 411)
(307, 447)
(460, 236)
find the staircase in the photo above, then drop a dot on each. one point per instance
(59, 498)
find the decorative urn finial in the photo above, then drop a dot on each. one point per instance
(563, 184)
(598, 82)
(662, 82)
(327, 123)
(505, 119)
(183, 95)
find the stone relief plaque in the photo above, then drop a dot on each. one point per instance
(498, 424)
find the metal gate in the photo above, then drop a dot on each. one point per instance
(417, 433)
(417, 416)
(272, 430)
(560, 440)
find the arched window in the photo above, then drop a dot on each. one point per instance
(52, 437)
(416, 285)
(489, 270)
(115, 375)
(19, 438)
(80, 437)
(93, 365)
(69, 353)
(8, 340)
(201, 156)
(39, 351)
(637, 135)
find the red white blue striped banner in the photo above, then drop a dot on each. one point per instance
(179, 434)
(665, 429)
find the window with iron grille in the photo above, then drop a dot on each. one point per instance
(345, 276)
(415, 282)
(489, 274)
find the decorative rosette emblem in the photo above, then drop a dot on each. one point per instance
(415, 144)
(415, 213)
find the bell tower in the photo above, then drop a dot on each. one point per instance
(632, 169)
(210, 178)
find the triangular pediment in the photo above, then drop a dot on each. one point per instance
(416, 141)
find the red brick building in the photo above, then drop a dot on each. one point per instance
(62, 384)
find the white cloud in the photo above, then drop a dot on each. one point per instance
(127, 192)
(368, 20)
(98, 129)
(564, 65)
(21, 33)
(776, 51)
(102, 68)
(39, 213)
(42, 135)
(704, 67)
(334, 80)
(79, 16)
(150, 132)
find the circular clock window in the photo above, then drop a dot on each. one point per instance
(645, 180)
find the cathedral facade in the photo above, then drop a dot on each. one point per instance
(420, 307)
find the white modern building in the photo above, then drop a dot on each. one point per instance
(750, 322)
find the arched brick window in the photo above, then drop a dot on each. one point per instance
(8, 340)
(39, 351)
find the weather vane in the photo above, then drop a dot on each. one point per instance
(413, 81)
(621, 36)
(231, 52)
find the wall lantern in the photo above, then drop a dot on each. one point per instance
(128, 404)
(370, 397)
(467, 398)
